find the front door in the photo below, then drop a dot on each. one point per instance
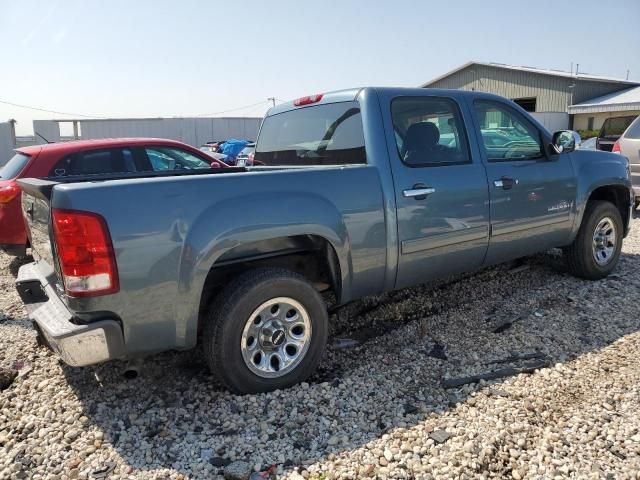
(441, 190)
(532, 191)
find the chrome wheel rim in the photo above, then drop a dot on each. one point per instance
(604, 241)
(276, 337)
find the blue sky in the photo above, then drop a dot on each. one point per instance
(147, 58)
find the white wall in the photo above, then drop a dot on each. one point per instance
(193, 131)
(6, 143)
(552, 120)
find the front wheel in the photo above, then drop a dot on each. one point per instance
(596, 249)
(267, 330)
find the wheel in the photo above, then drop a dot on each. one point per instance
(266, 330)
(596, 249)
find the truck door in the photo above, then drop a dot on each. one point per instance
(440, 188)
(532, 192)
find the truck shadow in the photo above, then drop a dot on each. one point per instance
(176, 416)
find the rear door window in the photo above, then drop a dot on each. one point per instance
(429, 131)
(634, 130)
(14, 166)
(612, 128)
(94, 162)
(328, 134)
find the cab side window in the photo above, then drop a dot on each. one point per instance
(94, 162)
(506, 135)
(429, 131)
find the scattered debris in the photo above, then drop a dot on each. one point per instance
(344, 343)
(440, 436)
(410, 409)
(518, 356)
(237, 470)
(520, 268)
(104, 471)
(7, 376)
(504, 372)
(496, 392)
(438, 352)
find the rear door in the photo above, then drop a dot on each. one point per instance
(532, 192)
(440, 187)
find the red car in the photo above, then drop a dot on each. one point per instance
(85, 157)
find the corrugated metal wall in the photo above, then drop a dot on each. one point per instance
(6, 143)
(552, 93)
(194, 131)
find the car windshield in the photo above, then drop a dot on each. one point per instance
(14, 166)
(328, 134)
(614, 127)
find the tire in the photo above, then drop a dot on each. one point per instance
(580, 255)
(232, 327)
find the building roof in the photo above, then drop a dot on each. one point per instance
(628, 99)
(541, 71)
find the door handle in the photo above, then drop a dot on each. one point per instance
(506, 183)
(419, 192)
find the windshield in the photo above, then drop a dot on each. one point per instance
(14, 166)
(614, 127)
(319, 135)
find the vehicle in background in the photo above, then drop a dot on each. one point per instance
(611, 130)
(212, 151)
(588, 144)
(81, 158)
(629, 145)
(246, 157)
(357, 197)
(232, 148)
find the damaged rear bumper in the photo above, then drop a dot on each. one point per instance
(77, 344)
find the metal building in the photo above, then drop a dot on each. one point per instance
(193, 131)
(547, 94)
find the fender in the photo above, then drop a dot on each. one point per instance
(589, 167)
(250, 218)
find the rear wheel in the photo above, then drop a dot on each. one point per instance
(267, 330)
(596, 249)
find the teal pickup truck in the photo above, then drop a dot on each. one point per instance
(359, 192)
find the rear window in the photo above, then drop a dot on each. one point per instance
(319, 135)
(614, 127)
(14, 166)
(634, 130)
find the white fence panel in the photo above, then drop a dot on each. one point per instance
(6, 143)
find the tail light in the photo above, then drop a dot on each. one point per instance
(8, 191)
(308, 100)
(616, 147)
(85, 253)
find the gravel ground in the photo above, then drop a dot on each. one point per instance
(375, 409)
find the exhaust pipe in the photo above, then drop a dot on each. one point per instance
(133, 368)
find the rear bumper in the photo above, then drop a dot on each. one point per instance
(77, 344)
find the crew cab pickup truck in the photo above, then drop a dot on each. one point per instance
(362, 191)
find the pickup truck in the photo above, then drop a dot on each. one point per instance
(361, 191)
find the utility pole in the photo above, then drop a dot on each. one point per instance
(627, 74)
(273, 99)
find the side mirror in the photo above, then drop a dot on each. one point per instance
(565, 141)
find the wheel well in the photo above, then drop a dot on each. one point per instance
(619, 196)
(311, 256)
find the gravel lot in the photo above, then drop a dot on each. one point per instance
(376, 409)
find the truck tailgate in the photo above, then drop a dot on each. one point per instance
(35, 207)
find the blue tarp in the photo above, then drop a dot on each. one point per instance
(233, 147)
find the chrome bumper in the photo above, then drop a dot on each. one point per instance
(77, 344)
